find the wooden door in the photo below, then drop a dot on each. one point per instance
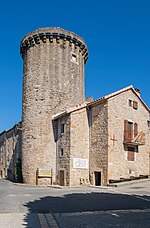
(62, 177)
(98, 178)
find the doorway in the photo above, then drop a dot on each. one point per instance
(97, 178)
(62, 177)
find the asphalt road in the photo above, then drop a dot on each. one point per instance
(42, 207)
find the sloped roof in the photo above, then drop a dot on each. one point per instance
(98, 101)
(107, 97)
(16, 125)
(69, 110)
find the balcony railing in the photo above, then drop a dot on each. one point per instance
(139, 139)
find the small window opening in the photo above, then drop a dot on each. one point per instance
(130, 103)
(62, 128)
(74, 58)
(135, 105)
(62, 152)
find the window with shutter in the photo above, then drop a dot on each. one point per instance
(130, 131)
(130, 103)
(135, 129)
(131, 152)
(135, 105)
(125, 130)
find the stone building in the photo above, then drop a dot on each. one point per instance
(72, 146)
(10, 153)
(120, 137)
(82, 141)
(104, 141)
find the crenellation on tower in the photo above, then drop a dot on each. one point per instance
(61, 36)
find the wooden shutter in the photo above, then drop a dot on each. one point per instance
(135, 129)
(130, 131)
(130, 103)
(125, 130)
(135, 104)
(131, 153)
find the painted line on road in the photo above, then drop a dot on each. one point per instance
(109, 212)
(140, 197)
(115, 214)
(133, 195)
(47, 220)
(43, 221)
(51, 220)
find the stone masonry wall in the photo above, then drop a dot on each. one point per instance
(3, 155)
(10, 152)
(63, 143)
(79, 148)
(118, 111)
(99, 142)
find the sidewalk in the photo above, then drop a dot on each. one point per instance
(114, 185)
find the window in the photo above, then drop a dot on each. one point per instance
(135, 129)
(135, 105)
(62, 128)
(131, 152)
(61, 152)
(130, 130)
(130, 103)
(74, 57)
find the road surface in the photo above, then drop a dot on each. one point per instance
(25, 206)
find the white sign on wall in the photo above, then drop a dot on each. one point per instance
(80, 163)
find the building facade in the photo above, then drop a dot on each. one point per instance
(82, 141)
(120, 137)
(104, 141)
(11, 153)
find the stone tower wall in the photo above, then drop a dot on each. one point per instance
(53, 80)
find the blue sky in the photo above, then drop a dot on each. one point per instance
(117, 34)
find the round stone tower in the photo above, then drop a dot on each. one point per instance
(53, 81)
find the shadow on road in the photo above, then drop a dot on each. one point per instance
(85, 202)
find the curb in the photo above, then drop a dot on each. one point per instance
(128, 183)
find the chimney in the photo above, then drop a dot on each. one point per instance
(138, 91)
